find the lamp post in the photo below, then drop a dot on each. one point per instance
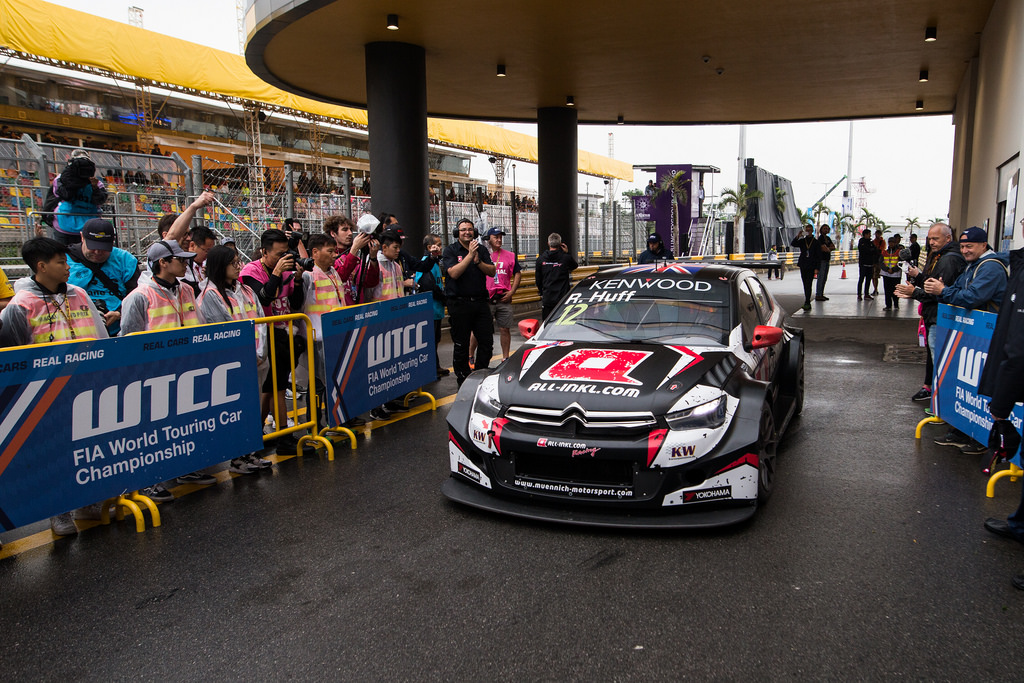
(515, 231)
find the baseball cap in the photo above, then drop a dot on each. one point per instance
(165, 248)
(494, 231)
(654, 238)
(398, 231)
(79, 153)
(98, 234)
(974, 234)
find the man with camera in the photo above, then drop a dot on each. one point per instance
(430, 280)
(277, 280)
(356, 261)
(468, 265)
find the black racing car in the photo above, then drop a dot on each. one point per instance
(653, 396)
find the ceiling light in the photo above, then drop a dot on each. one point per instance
(621, 120)
(570, 101)
(930, 34)
(501, 71)
(923, 77)
(919, 105)
(392, 22)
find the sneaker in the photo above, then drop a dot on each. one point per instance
(821, 298)
(241, 466)
(157, 493)
(63, 525)
(974, 448)
(289, 445)
(443, 372)
(887, 308)
(806, 307)
(868, 297)
(380, 414)
(355, 422)
(396, 407)
(952, 438)
(197, 478)
(923, 394)
(256, 461)
(94, 511)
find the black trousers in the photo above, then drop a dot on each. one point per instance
(865, 279)
(467, 317)
(437, 343)
(807, 275)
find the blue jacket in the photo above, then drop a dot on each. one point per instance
(436, 288)
(981, 285)
(123, 270)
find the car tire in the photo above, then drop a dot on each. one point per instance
(767, 450)
(798, 381)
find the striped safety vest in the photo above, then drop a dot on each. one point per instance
(167, 310)
(328, 292)
(58, 318)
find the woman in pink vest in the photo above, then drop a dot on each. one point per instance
(225, 299)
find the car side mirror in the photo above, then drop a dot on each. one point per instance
(764, 335)
(528, 327)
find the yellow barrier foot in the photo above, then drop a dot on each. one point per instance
(318, 440)
(922, 423)
(344, 431)
(122, 503)
(413, 394)
(1013, 473)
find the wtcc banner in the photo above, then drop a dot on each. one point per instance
(86, 421)
(964, 337)
(376, 352)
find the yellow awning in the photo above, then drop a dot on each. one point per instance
(54, 32)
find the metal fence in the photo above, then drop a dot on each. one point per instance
(142, 188)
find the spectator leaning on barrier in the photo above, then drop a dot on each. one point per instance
(277, 280)
(44, 309)
(979, 287)
(225, 299)
(161, 302)
(360, 276)
(468, 265)
(1003, 380)
(106, 272)
(430, 280)
(80, 193)
(553, 273)
(945, 265)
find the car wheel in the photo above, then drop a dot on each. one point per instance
(766, 452)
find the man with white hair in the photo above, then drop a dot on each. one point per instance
(553, 273)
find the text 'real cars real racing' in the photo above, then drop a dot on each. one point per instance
(653, 396)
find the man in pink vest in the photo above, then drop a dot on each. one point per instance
(46, 309)
(501, 288)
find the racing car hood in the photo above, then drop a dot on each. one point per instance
(605, 377)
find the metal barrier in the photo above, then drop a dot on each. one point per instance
(279, 419)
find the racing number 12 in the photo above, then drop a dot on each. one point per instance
(570, 313)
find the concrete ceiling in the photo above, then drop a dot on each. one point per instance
(790, 60)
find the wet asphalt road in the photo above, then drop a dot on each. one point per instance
(869, 562)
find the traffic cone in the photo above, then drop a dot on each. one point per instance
(843, 276)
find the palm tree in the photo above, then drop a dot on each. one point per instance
(847, 222)
(741, 200)
(675, 185)
(780, 201)
(819, 209)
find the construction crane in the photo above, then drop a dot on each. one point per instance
(830, 191)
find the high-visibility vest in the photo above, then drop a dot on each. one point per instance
(167, 310)
(55, 318)
(328, 292)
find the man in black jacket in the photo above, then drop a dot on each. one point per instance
(866, 257)
(553, 273)
(1003, 380)
(945, 263)
(810, 253)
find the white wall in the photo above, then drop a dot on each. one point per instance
(989, 118)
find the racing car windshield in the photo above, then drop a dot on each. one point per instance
(665, 316)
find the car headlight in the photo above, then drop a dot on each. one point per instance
(709, 415)
(486, 402)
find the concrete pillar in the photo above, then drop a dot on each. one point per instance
(556, 175)
(396, 104)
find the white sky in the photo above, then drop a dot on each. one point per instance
(907, 162)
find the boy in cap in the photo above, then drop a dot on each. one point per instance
(107, 273)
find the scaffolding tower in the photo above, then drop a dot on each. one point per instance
(257, 179)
